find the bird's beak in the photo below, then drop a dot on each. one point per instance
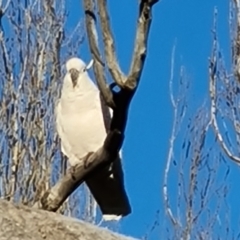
(74, 76)
(89, 65)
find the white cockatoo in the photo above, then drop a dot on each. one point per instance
(81, 121)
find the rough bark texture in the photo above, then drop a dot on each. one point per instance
(20, 222)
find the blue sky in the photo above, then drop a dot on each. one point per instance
(187, 23)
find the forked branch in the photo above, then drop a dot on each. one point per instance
(144, 21)
(118, 101)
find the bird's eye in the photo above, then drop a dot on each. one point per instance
(84, 69)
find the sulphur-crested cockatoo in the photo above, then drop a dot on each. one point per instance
(81, 121)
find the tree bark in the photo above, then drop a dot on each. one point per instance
(24, 223)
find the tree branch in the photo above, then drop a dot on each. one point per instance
(213, 98)
(55, 196)
(140, 49)
(109, 47)
(93, 44)
(236, 41)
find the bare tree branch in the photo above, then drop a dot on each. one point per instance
(54, 197)
(212, 90)
(109, 47)
(236, 41)
(139, 55)
(93, 44)
(91, 29)
(175, 103)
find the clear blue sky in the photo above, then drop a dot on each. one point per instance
(188, 23)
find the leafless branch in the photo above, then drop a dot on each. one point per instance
(171, 146)
(236, 41)
(214, 113)
(212, 90)
(144, 22)
(140, 48)
(193, 174)
(93, 43)
(109, 47)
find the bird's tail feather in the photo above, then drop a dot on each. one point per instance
(107, 187)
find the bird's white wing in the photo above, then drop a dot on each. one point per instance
(58, 123)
